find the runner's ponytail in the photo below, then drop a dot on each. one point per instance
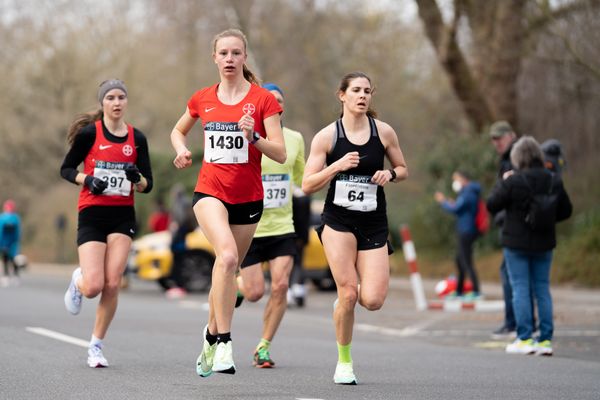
(80, 121)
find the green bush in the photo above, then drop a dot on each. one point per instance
(577, 255)
(433, 228)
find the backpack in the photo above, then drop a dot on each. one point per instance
(482, 218)
(541, 209)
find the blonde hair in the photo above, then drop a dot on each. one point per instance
(232, 32)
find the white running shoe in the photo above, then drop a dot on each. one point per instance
(519, 346)
(543, 348)
(73, 295)
(96, 358)
(344, 374)
(204, 363)
(223, 361)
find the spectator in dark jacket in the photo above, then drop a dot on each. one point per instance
(503, 138)
(465, 209)
(528, 251)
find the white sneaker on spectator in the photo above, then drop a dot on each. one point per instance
(519, 346)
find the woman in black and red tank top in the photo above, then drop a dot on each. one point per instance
(115, 164)
(348, 155)
(240, 121)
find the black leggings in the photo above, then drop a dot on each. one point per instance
(464, 261)
(9, 261)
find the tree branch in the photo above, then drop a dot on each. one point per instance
(454, 63)
(548, 15)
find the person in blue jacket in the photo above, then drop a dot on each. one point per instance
(10, 238)
(465, 209)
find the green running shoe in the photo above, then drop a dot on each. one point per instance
(205, 360)
(262, 358)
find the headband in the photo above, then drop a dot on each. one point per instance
(109, 85)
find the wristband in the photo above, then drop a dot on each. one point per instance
(393, 174)
(255, 137)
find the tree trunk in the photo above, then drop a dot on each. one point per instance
(466, 87)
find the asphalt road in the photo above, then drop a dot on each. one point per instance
(399, 353)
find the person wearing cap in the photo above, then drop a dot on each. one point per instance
(503, 138)
(116, 164)
(528, 244)
(554, 159)
(10, 240)
(274, 240)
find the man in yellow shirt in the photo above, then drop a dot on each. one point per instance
(274, 240)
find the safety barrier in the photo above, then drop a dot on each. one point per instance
(410, 256)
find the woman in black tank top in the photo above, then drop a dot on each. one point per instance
(348, 155)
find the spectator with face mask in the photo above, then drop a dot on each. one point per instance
(465, 209)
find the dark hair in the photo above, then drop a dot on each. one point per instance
(345, 82)
(248, 75)
(80, 121)
(463, 173)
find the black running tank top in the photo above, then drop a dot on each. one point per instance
(351, 191)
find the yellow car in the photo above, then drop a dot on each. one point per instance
(151, 259)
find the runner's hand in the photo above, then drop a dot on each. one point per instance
(350, 160)
(133, 174)
(381, 177)
(96, 185)
(246, 124)
(183, 159)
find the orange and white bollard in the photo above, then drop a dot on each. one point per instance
(410, 255)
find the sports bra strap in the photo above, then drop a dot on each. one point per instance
(374, 131)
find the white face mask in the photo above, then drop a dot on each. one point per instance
(456, 186)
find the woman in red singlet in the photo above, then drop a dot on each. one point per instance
(115, 164)
(240, 121)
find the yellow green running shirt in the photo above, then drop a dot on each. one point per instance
(277, 182)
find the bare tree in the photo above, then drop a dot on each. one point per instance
(485, 74)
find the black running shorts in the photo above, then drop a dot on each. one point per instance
(369, 234)
(270, 247)
(239, 214)
(95, 223)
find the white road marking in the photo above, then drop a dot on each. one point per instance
(58, 336)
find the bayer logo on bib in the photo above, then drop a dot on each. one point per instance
(355, 193)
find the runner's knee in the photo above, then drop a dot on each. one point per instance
(254, 293)
(228, 260)
(372, 303)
